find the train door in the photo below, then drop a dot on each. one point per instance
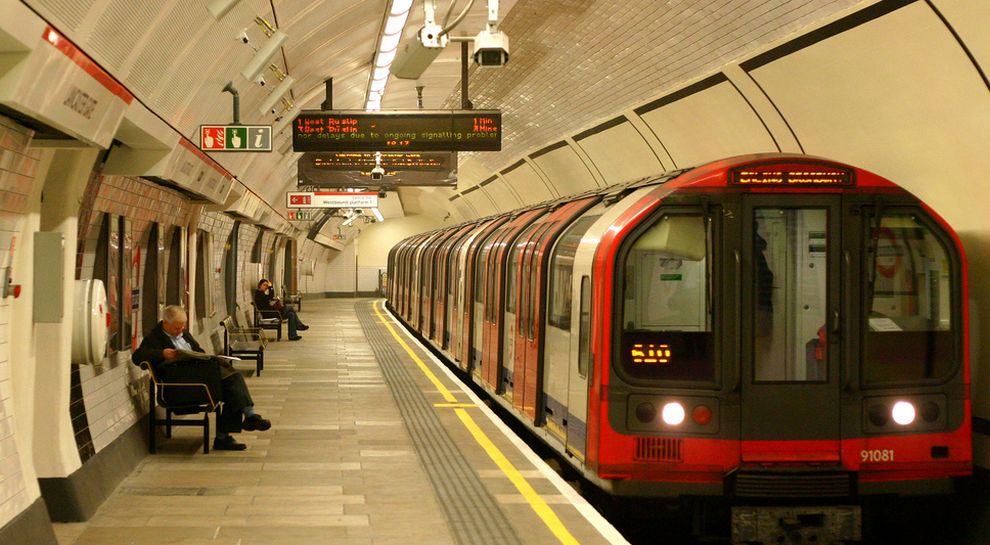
(491, 356)
(529, 339)
(790, 253)
(516, 283)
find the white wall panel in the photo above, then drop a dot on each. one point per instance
(463, 209)
(711, 124)
(504, 198)
(621, 154)
(969, 20)
(480, 201)
(567, 172)
(526, 183)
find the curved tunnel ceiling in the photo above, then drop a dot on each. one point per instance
(574, 65)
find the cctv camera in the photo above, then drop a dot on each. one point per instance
(377, 173)
(243, 37)
(382, 194)
(260, 80)
(491, 49)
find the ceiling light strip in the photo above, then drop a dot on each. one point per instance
(387, 46)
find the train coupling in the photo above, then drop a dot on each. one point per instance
(797, 525)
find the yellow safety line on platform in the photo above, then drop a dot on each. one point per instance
(447, 396)
(455, 405)
(534, 499)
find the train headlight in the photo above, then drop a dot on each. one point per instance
(903, 413)
(673, 414)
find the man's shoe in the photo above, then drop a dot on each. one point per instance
(228, 443)
(256, 422)
(296, 338)
(303, 327)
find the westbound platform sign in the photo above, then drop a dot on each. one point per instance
(235, 137)
(414, 130)
(331, 199)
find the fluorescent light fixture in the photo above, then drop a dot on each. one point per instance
(378, 214)
(350, 220)
(264, 55)
(287, 119)
(401, 6)
(277, 93)
(391, 34)
(219, 8)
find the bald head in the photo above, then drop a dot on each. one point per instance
(174, 320)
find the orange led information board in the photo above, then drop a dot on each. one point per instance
(417, 130)
(650, 354)
(803, 174)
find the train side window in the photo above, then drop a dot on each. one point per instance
(666, 321)
(584, 328)
(912, 283)
(561, 273)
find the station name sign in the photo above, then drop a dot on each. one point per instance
(331, 199)
(417, 130)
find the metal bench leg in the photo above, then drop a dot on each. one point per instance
(261, 363)
(168, 423)
(151, 429)
(206, 433)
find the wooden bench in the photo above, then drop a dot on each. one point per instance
(244, 343)
(187, 391)
(268, 319)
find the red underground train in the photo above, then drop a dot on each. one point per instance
(782, 331)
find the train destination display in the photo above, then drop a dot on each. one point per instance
(398, 169)
(418, 130)
(792, 174)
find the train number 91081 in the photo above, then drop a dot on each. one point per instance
(877, 455)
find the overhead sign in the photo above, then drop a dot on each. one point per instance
(235, 137)
(416, 130)
(301, 215)
(331, 199)
(353, 169)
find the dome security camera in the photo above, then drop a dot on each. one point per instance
(243, 37)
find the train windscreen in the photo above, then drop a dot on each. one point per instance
(665, 312)
(909, 337)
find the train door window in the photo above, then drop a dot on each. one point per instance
(911, 298)
(561, 273)
(175, 274)
(149, 283)
(512, 273)
(230, 269)
(584, 328)
(790, 287)
(666, 319)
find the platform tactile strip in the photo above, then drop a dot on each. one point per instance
(473, 513)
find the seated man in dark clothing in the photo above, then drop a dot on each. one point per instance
(264, 299)
(160, 347)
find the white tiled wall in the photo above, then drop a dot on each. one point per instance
(18, 168)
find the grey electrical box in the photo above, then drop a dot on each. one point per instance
(49, 285)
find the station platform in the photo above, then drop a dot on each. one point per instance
(373, 443)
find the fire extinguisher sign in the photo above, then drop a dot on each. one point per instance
(235, 138)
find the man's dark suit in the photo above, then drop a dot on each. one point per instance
(231, 389)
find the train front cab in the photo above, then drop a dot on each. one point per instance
(766, 343)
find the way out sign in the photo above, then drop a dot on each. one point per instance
(235, 137)
(331, 199)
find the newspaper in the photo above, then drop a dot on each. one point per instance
(193, 355)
